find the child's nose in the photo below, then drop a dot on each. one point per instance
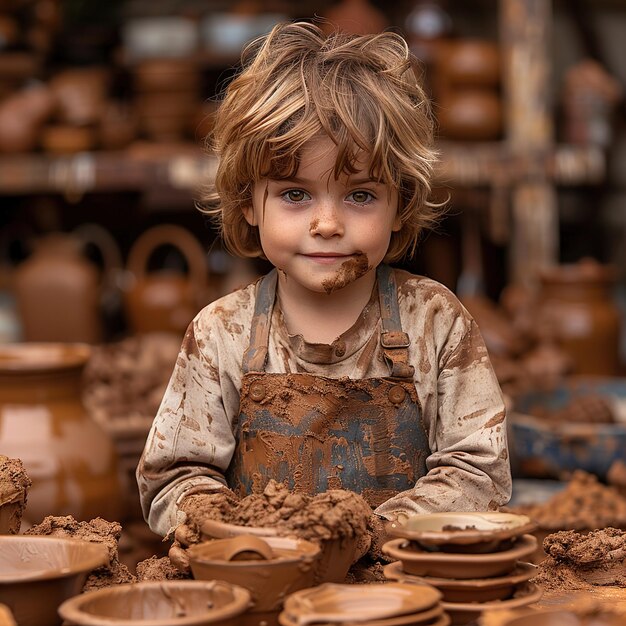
(326, 220)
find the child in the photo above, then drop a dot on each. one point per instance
(333, 371)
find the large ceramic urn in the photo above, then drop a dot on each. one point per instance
(71, 460)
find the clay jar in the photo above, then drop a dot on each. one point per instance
(69, 458)
(165, 300)
(58, 292)
(576, 309)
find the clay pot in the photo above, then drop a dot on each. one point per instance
(576, 309)
(603, 616)
(470, 63)
(67, 139)
(159, 603)
(80, 94)
(470, 115)
(38, 573)
(270, 568)
(166, 75)
(165, 300)
(337, 555)
(58, 292)
(21, 116)
(69, 458)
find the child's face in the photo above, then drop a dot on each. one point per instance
(325, 234)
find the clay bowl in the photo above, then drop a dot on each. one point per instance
(549, 450)
(555, 617)
(468, 589)
(466, 612)
(419, 562)
(38, 573)
(334, 561)
(384, 604)
(463, 532)
(270, 567)
(159, 603)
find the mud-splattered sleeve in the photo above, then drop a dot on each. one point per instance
(191, 441)
(464, 415)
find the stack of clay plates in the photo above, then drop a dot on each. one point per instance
(476, 560)
(376, 604)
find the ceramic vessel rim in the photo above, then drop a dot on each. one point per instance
(524, 545)
(532, 593)
(42, 356)
(310, 552)
(97, 556)
(512, 525)
(528, 570)
(226, 530)
(71, 609)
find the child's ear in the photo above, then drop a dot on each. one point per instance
(248, 213)
(397, 224)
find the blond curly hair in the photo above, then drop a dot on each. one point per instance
(296, 84)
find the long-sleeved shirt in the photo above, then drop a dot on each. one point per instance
(192, 439)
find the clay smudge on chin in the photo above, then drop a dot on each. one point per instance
(348, 272)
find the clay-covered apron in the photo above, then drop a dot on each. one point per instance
(316, 433)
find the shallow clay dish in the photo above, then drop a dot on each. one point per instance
(377, 602)
(464, 612)
(335, 559)
(432, 617)
(463, 532)
(38, 573)
(159, 603)
(459, 565)
(469, 589)
(275, 566)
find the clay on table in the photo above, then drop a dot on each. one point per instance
(14, 485)
(97, 530)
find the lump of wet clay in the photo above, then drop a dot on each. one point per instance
(334, 514)
(583, 560)
(97, 530)
(14, 485)
(156, 568)
(584, 504)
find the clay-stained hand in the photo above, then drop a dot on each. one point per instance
(179, 558)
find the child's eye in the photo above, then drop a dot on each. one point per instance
(296, 195)
(361, 197)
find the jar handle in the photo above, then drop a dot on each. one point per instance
(173, 235)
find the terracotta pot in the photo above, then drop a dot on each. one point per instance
(80, 94)
(470, 115)
(69, 458)
(58, 292)
(165, 300)
(470, 63)
(576, 309)
(67, 139)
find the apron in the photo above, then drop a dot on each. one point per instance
(315, 433)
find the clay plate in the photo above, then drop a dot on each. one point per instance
(159, 603)
(463, 532)
(459, 565)
(463, 612)
(338, 604)
(37, 573)
(469, 589)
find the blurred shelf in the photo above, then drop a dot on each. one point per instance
(185, 167)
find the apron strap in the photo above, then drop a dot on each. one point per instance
(394, 342)
(255, 357)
